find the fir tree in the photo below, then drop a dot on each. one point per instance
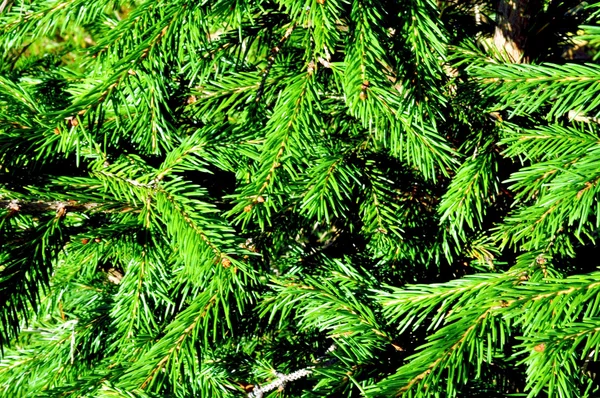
(299, 198)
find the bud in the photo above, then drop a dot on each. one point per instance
(225, 262)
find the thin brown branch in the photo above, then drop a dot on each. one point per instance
(60, 207)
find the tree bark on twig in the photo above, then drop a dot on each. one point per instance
(60, 207)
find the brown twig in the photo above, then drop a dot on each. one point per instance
(39, 206)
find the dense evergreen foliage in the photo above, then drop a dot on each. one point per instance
(299, 198)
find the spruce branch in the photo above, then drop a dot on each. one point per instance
(525, 89)
(166, 235)
(25, 273)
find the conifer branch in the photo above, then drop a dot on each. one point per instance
(194, 194)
